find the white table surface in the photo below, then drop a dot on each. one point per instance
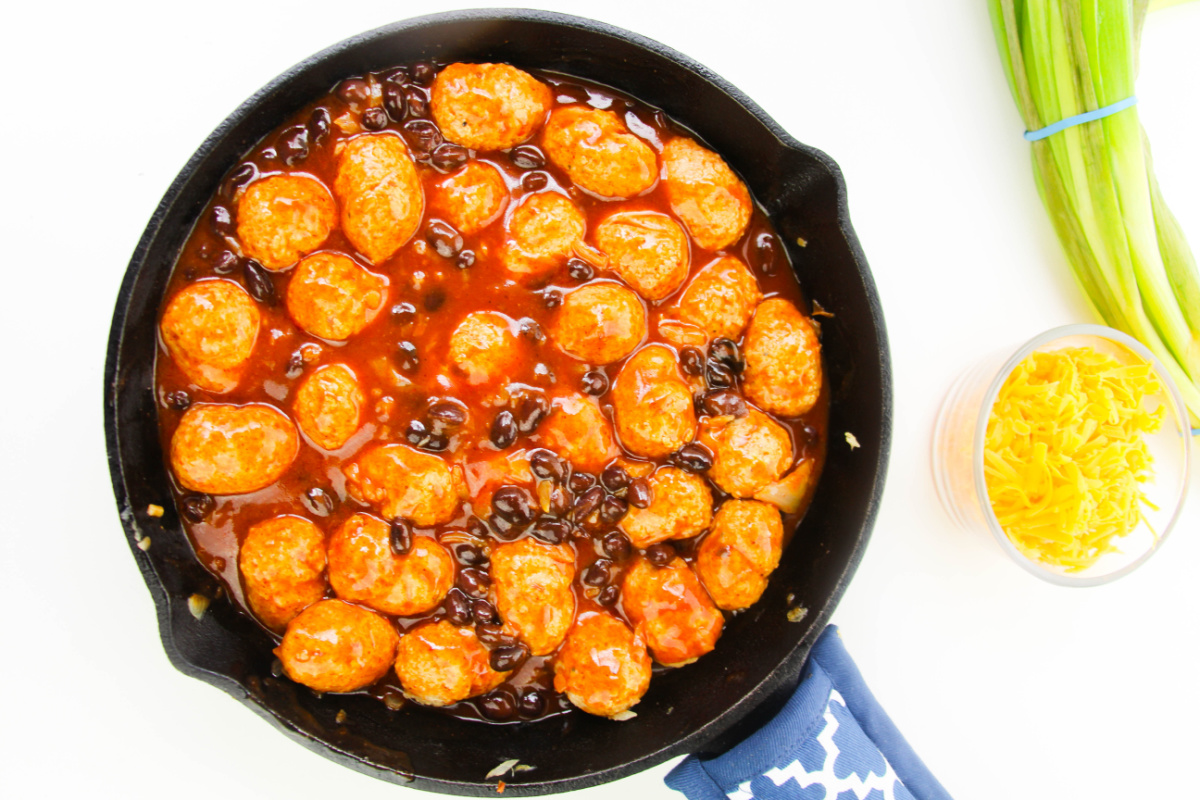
(1007, 687)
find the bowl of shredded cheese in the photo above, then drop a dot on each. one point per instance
(1073, 452)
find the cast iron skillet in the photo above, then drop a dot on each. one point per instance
(705, 706)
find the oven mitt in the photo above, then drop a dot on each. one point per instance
(831, 741)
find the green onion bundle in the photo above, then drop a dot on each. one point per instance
(1067, 57)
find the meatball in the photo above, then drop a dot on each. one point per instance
(532, 582)
(380, 192)
(652, 406)
(336, 647)
(602, 667)
(364, 569)
(210, 328)
(748, 452)
(598, 152)
(721, 298)
(407, 484)
(740, 552)
(599, 323)
(332, 297)
(783, 359)
(484, 349)
(668, 606)
(576, 430)
(713, 203)
(224, 449)
(647, 249)
(470, 199)
(328, 406)
(283, 217)
(439, 663)
(681, 508)
(543, 233)
(282, 560)
(488, 106)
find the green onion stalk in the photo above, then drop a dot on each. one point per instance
(1096, 179)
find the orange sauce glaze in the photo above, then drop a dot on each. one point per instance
(442, 294)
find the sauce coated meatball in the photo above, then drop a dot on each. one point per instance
(681, 508)
(484, 349)
(380, 192)
(598, 152)
(532, 582)
(488, 106)
(647, 249)
(364, 569)
(332, 297)
(599, 323)
(336, 647)
(224, 449)
(721, 298)
(713, 203)
(652, 406)
(740, 552)
(783, 359)
(577, 430)
(470, 199)
(328, 406)
(602, 667)
(404, 483)
(748, 452)
(543, 233)
(439, 663)
(210, 328)
(283, 217)
(282, 561)
(669, 607)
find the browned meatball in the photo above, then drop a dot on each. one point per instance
(380, 192)
(223, 449)
(283, 217)
(652, 406)
(721, 298)
(439, 663)
(647, 249)
(681, 508)
(748, 452)
(783, 359)
(488, 106)
(364, 569)
(602, 667)
(333, 297)
(713, 203)
(328, 406)
(668, 606)
(406, 483)
(740, 552)
(282, 560)
(532, 582)
(543, 232)
(210, 328)
(470, 199)
(599, 323)
(576, 430)
(485, 349)
(336, 647)
(598, 152)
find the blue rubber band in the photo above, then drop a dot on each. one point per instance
(1079, 119)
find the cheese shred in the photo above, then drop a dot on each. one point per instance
(1064, 458)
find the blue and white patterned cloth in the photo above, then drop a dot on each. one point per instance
(831, 741)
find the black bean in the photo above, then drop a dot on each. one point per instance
(484, 613)
(318, 502)
(406, 357)
(240, 177)
(436, 443)
(450, 157)
(693, 457)
(531, 409)
(766, 248)
(258, 282)
(458, 607)
(547, 465)
(503, 528)
(374, 118)
(490, 635)
(465, 259)
(417, 103)
(196, 507)
(397, 75)
(445, 240)
(400, 536)
(422, 135)
(477, 527)
(615, 478)
(660, 554)
(394, 101)
(320, 123)
(178, 401)
(588, 502)
(527, 156)
(616, 545)
(469, 554)
(722, 402)
(423, 72)
(533, 703)
(504, 430)
(354, 91)
(595, 382)
(404, 313)
(725, 351)
(498, 704)
(691, 360)
(532, 331)
(293, 145)
(448, 414)
(504, 659)
(553, 531)
(613, 510)
(597, 573)
(640, 495)
(580, 270)
(514, 504)
(559, 503)
(552, 298)
(474, 581)
(416, 432)
(435, 300)
(222, 221)
(581, 481)
(535, 181)
(608, 595)
(718, 375)
(295, 365)
(226, 262)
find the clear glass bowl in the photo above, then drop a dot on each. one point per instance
(958, 443)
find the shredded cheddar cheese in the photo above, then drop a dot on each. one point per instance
(1064, 457)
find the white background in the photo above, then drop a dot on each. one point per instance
(1007, 687)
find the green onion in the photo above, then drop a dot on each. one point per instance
(1067, 57)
